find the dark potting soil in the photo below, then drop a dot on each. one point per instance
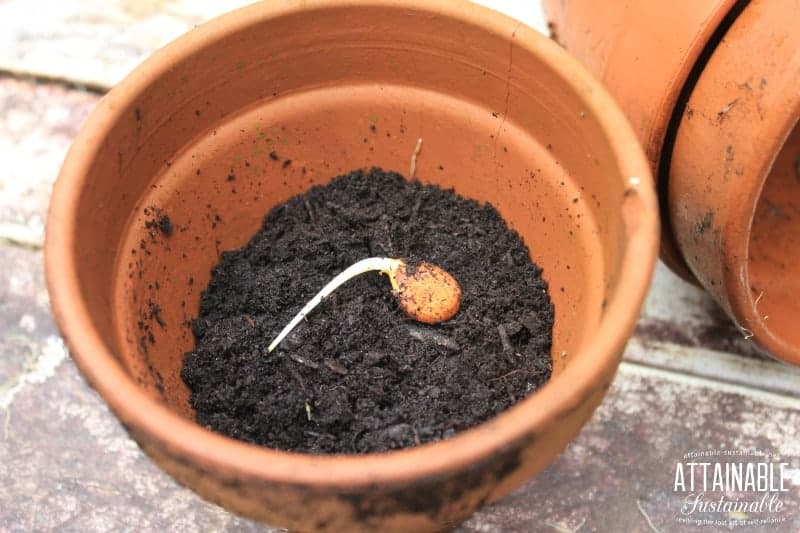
(357, 375)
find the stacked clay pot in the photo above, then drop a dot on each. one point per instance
(712, 88)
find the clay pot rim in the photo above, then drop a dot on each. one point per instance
(743, 303)
(704, 38)
(774, 135)
(769, 136)
(187, 440)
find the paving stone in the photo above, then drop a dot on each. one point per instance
(682, 314)
(94, 41)
(682, 329)
(619, 472)
(65, 462)
(37, 125)
(99, 42)
(24, 316)
(67, 465)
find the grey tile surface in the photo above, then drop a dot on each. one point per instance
(65, 462)
(37, 125)
(626, 457)
(67, 465)
(99, 42)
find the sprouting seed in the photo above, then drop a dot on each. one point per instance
(424, 291)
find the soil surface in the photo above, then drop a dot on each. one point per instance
(358, 375)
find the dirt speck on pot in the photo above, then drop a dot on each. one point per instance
(159, 221)
(358, 375)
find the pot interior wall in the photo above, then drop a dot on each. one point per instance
(774, 262)
(194, 143)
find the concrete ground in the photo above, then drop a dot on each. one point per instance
(689, 382)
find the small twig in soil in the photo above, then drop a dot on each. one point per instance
(517, 371)
(303, 361)
(413, 170)
(320, 435)
(507, 347)
(510, 391)
(439, 339)
(387, 228)
(336, 368)
(335, 305)
(415, 210)
(338, 209)
(311, 217)
(354, 442)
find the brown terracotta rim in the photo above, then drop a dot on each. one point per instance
(709, 180)
(771, 137)
(743, 301)
(518, 423)
(668, 147)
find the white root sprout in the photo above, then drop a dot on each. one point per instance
(426, 293)
(381, 264)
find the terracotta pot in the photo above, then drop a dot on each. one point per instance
(333, 86)
(644, 52)
(734, 184)
(714, 111)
